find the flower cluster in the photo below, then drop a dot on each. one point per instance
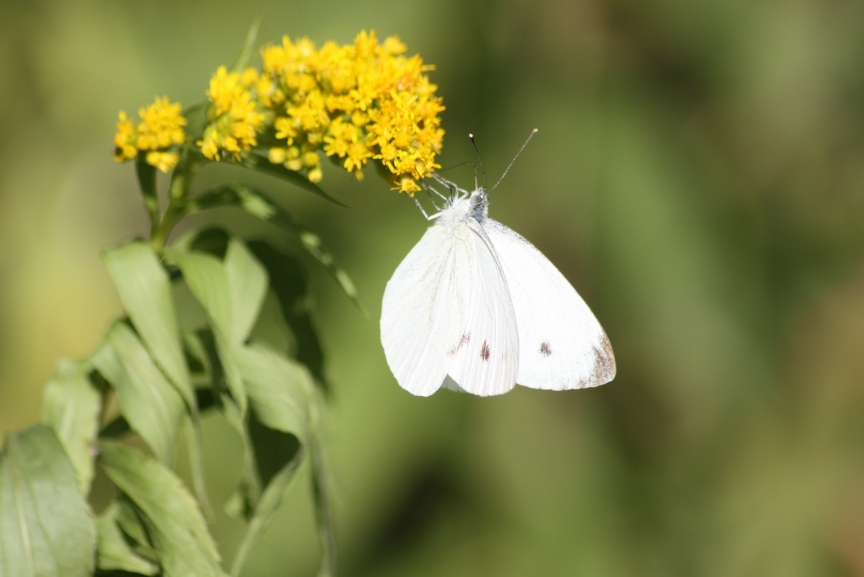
(234, 116)
(160, 129)
(357, 103)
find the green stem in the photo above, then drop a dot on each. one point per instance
(178, 201)
(179, 186)
(321, 492)
(160, 233)
(147, 181)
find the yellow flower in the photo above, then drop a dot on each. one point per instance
(125, 140)
(310, 114)
(285, 128)
(406, 131)
(164, 161)
(161, 127)
(357, 155)
(277, 155)
(357, 103)
(226, 88)
(361, 102)
(409, 185)
(393, 46)
(339, 137)
(235, 120)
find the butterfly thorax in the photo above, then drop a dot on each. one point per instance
(463, 206)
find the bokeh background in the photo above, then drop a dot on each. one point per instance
(698, 176)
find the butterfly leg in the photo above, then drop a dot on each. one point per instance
(420, 206)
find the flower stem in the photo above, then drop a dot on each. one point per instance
(178, 201)
(147, 181)
(160, 233)
(323, 512)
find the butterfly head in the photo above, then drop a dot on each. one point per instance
(479, 204)
(464, 205)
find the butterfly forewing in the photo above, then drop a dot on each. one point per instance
(561, 344)
(446, 311)
(413, 322)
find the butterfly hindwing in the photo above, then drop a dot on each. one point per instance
(486, 358)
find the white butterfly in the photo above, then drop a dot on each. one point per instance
(475, 307)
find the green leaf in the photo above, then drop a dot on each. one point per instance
(129, 520)
(278, 391)
(196, 355)
(263, 165)
(212, 240)
(249, 490)
(289, 282)
(71, 407)
(258, 205)
(150, 404)
(267, 505)
(195, 447)
(202, 345)
(175, 523)
(248, 48)
(313, 244)
(145, 291)
(46, 528)
(206, 278)
(247, 283)
(250, 487)
(114, 553)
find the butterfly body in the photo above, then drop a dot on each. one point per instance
(475, 307)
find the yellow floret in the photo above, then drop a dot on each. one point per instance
(234, 115)
(161, 127)
(164, 161)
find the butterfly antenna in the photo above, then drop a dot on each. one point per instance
(530, 136)
(480, 162)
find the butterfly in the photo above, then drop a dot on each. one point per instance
(475, 307)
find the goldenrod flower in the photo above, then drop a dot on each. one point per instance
(360, 102)
(357, 103)
(126, 139)
(161, 127)
(234, 116)
(164, 161)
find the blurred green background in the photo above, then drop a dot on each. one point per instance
(698, 176)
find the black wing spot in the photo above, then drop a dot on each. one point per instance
(545, 349)
(485, 351)
(463, 340)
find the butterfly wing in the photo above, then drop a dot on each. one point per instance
(561, 344)
(447, 313)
